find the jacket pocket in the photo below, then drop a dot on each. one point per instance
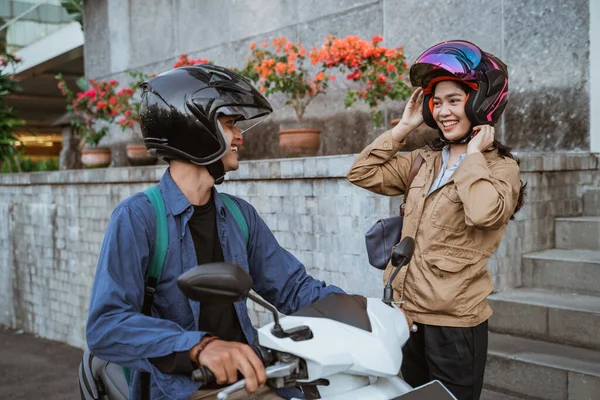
(448, 211)
(413, 194)
(445, 280)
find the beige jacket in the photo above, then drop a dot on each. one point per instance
(456, 228)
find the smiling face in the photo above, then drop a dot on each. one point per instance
(449, 110)
(234, 139)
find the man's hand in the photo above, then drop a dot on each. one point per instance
(225, 359)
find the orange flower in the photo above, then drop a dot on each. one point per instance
(376, 39)
(252, 46)
(320, 76)
(264, 44)
(280, 68)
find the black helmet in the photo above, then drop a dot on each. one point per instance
(180, 107)
(484, 74)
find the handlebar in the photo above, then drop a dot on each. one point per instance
(205, 376)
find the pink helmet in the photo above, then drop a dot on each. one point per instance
(485, 74)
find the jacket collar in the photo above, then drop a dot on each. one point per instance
(428, 153)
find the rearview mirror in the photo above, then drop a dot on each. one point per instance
(215, 283)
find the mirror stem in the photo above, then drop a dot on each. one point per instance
(276, 328)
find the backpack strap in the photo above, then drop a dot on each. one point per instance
(234, 209)
(161, 243)
(154, 272)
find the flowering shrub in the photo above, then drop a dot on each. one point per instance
(98, 101)
(281, 70)
(185, 61)
(378, 70)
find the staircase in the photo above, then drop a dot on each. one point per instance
(544, 341)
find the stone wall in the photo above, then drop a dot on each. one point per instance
(545, 44)
(52, 226)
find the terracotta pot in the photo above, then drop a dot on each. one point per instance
(138, 155)
(96, 157)
(300, 142)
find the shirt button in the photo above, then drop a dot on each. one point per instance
(423, 195)
(189, 210)
(441, 275)
(385, 145)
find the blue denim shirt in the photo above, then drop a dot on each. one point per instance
(117, 331)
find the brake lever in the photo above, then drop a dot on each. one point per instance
(278, 370)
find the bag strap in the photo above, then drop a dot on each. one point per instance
(154, 272)
(414, 170)
(234, 209)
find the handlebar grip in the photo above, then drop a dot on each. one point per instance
(203, 375)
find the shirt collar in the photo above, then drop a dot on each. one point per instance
(172, 195)
(446, 155)
(175, 198)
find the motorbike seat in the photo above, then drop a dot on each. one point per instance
(345, 308)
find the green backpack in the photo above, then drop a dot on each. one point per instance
(160, 253)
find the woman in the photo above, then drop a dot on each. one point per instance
(457, 208)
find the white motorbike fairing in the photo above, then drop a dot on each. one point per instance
(349, 357)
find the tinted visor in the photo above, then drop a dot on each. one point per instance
(246, 117)
(457, 58)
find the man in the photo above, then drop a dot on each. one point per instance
(188, 117)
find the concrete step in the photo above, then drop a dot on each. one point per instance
(524, 368)
(566, 270)
(566, 318)
(591, 202)
(577, 233)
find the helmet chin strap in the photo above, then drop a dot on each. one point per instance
(463, 140)
(217, 171)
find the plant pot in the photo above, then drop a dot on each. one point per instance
(299, 142)
(95, 157)
(138, 155)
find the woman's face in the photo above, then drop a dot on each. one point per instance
(449, 110)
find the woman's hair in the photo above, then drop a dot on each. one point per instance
(503, 151)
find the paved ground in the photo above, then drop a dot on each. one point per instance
(34, 368)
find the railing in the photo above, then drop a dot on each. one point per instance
(23, 23)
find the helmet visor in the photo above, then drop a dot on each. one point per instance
(455, 57)
(246, 117)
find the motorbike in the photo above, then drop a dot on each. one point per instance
(340, 347)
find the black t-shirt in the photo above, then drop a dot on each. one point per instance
(217, 319)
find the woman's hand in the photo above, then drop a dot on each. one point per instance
(412, 117)
(483, 138)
